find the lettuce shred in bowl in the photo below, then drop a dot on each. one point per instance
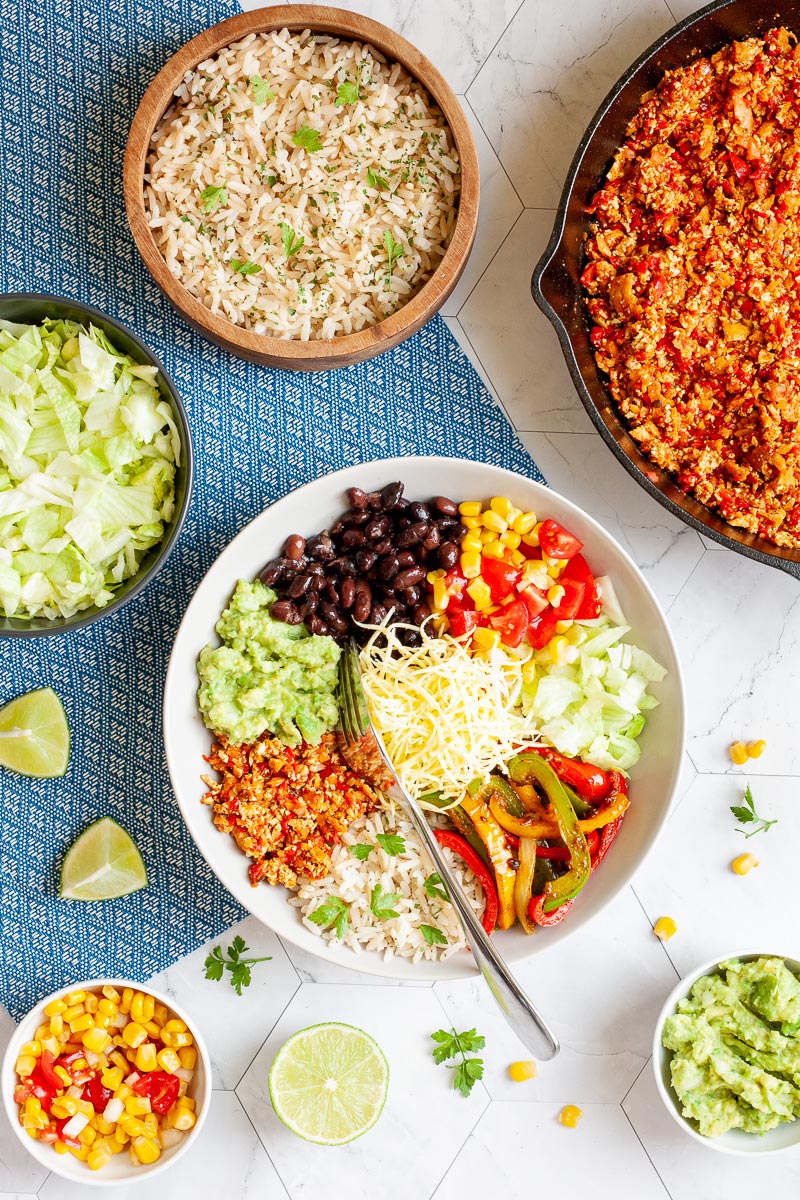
(88, 454)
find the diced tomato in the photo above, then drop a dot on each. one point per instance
(577, 570)
(97, 1093)
(41, 1089)
(558, 542)
(47, 1062)
(542, 628)
(534, 600)
(511, 622)
(22, 1092)
(48, 1135)
(161, 1089)
(569, 606)
(502, 577)
(740, 167)
(530, 552)
(462, 621)
(455, 582)
(74, 1142)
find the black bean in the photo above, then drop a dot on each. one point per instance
(375, 502)
(309, 604)
(408, 578)
(283, 610)
(421, 613)
(418, 511)
(406, 558)
(411, 637)
(353, 537)
(391, 494)
(299, 586)
(362, 603)
(448, 508)
(317, 625)
(432, 540)
(388, 567)
(378, 614)
(294, 546)
(314, 568)
(378, 527)
(272, 572)
(365, 560)
(348, 593)
(354, 519)
(319, 583)
(344, 566)
(383, 547)
(320, 547)
(332, 593)
(460, 533)
(356, 498)
(412, 595)
(401, 504)
(447, 556)
(413, 534)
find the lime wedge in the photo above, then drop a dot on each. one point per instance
(34, 735)
(328, 1083)
(102, 864)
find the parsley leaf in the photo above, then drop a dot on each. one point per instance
(291, 240)
(307, 138)
(332, 912)
(746, 814)
(434, 887)
(452, 1045)
(213, 197)
(392, 843)
(433, 936)
(377, 181)
(261, 90)
(244, 268)
(217, 963)
(394, 249)
(347, 93)
(383, 903)
(361, 851)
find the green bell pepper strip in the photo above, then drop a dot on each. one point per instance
(468, 831)
(532, 768)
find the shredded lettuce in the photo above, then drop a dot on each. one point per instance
(594, 706)
(88, 454)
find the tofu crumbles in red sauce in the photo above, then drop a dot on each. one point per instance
(693, 278)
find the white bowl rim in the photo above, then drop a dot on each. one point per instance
(459, 966)
(659, 1056)
(97, 1178)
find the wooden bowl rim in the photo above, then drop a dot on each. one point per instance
(351, 347)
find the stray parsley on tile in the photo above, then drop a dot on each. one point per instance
(232, 961)
(451, 1045)
(747, 815)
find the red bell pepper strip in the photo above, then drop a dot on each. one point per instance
(591, 783)
(607, 836)
(561, 853)
(461, 847)
(47, 1062)
(540, 917)
(161, 1088)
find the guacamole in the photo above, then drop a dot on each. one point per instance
(267, 675)
(736, 1048)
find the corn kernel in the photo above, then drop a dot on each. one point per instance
(556, 594)
(134, 1034)
(510, 539)
(176, 1040)
(150, 1122)
(184, 1119)
(517, 558)
(756, 749)
(470, 508)
(41, 1032)
(63, 1107)
(98, 1158)
(147, 1149)
(485, 639)
(102, 1125)
(81, 1024)
(744, 863)
(103, 1020)
(522, 1071)
(472, 541)
(146, 1057)
(472, 522)
(76, 997)
(570, 1115)
(132, 1125)
(121, 1137)
(479, 591)
(73, 1012)
(111, 994)
(188, 1057)
(52, 1044)
(160, 1012)
(501, 505)
(57, 1025)
(558, 649)
(524, 525)
(142, 1007)
(120, 1061)
(125, 1002)
(25, 1065)
(738, 753)
(495, 550)
(492, 520)
(137, 1106)
(431, 577)
(440, 595)
(512, 515)
(96, 1040)
(91, 1002)
(64, 1076)
(665, 928)
(487, 536)
(153, 1030)
(471, 564)
(112, 1078)
(529, 671)
(88, 1135)
(186, 1102)
(82, 1155)
(34, 1048)
(108, 1007)
(124, 1090)
(86, 1107)
(59, 1147)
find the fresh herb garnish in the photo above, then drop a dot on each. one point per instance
(213, 197)
(244, 268)
(307, 138)
(434, 887)
(433, 936)
(291, 240)
(746, 813)
(450, 1045)
(383, 903)
(392, 843)
(347, 93)
(361, 851)
(261, 90)
(217, 963)
(332, 912)
(377, 181)
(393, 249)
(272, 180)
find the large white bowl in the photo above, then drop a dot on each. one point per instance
(312, 508)
(120, 1172)
(735, 1141)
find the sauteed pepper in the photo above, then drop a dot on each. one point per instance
(460, 846)
(537, 915)
(542, 826)
(493, 838)
(591, 783)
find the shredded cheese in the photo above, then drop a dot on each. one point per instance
(446, 717)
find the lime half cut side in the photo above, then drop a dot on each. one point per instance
(34, 735)
(104, 863)
(328, 1083)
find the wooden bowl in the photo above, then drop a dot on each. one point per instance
(319, 353)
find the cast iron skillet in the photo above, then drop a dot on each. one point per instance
(556, 286)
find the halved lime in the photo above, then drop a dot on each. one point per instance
(104, 863)
(34, 735)
(328, 1083)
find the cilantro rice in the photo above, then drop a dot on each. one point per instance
(301, 186)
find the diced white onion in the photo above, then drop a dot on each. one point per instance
(92, 1058)
(184, 1073)
(169, 1137)
(75, 1092)
(133, 1078)
(114, 1110)
(76, 1125)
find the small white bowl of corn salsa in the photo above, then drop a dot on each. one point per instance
(106, 1082)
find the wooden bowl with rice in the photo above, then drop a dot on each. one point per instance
(303, 185)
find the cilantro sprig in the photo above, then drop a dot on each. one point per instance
(433, 936)
(394, 250)
(213, 197)
(469, 1070)
(291, 241)
(244, 268)
(332, 912)
(217, 964)
(747, 815)
(307, 138)
(383, 903)
(375, 180)
(434, 887)
(347, 93)
(261, 90)
(392, 843)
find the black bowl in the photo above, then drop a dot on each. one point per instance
(556, 280)
(31, 308)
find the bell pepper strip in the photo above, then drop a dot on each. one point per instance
(529, 768)
(591, 783)
(161, 1089)
(543, 874)
(461, 847)
(561, 853)
(493, 838)
(537, 914)
(523, 884)
(47, 1062)
(467, 830)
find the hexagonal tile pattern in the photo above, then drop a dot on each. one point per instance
(546, 76)
(601, 1052)
(319, 970)
(423, 1125)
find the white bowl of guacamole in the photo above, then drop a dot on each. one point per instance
(726, 1053)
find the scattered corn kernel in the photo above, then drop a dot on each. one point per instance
(24, 1065)
(73, 1012)
(744, 863)
(472, 541)
(91, 1002)
(738, 753)
(522, 1071)
(479, 591)
(501, 505)
(756, 749)
(486, 639)
(34, 1048)
(76, 997)
(120, 1061)
(440, 595)
(570, 1115)
(82, 1154)
(55, 1008)
(41, 1032)
(133, 1126)
(125, 1002)
(146, 1057)
(98, 1158)
(147, 1149)
(81, 1024)
(517, 558)
(111, 993)
(510, 539)
(431, 577)
(88, 1135)
(137, 1106)
(488, 536)
(472, 522)
(57, 1025)
(59, 1147)
(184, 1119)
(665, 928)
(168, 1061)
(142, 1008)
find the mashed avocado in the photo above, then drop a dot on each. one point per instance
(736, 1048)
(267, 675)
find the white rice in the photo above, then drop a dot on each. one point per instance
(403, 875)
(215, 135)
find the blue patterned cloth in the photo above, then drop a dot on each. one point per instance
(73, 73)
